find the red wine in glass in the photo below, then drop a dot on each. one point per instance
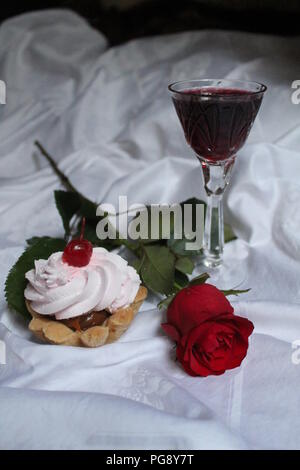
(216, 121)
(216, 116)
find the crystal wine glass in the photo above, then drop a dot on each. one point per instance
(216, 116)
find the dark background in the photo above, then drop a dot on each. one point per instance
(121, 20)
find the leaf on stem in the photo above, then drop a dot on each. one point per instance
(166, 301)
(199, 279)
(235, 292)
(181, 280)
(68, 204)
(158, 269)
(15, 283)
(184, 265)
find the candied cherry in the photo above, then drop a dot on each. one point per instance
(78, 252)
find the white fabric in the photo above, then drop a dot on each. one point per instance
(106, 117)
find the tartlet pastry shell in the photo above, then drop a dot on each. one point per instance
(55, 332)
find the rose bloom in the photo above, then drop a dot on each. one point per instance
(210, 338)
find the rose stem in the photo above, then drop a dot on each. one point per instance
(63, 178)
(82, 228)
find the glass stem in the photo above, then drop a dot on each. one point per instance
(214, 231)
(216, 178)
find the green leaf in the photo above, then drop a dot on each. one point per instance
(180, 281)
(193, 201)
(159, 229)
(178, 247)
(228, 233)
(185, 265)
(158, 269)
(199, 279)
(166, 301)
(33, 240)
(91, 235)
(16, 282)
(235, 292)
(137, 263)
(88, 210)
(68, 204)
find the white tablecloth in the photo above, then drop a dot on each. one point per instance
(105, 115)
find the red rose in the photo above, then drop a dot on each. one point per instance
(210, 338)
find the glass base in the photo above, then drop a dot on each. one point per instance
(228, 272)
(210, 261)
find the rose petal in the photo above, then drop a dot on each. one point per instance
(210, 338)
(195, 305)
(192, 367)
(171, 331)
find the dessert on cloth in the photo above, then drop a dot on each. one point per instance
(83, 296)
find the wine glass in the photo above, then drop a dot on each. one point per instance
(216, 116)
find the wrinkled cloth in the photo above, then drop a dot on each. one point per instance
(106, 117)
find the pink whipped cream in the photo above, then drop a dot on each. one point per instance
(55, 288)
